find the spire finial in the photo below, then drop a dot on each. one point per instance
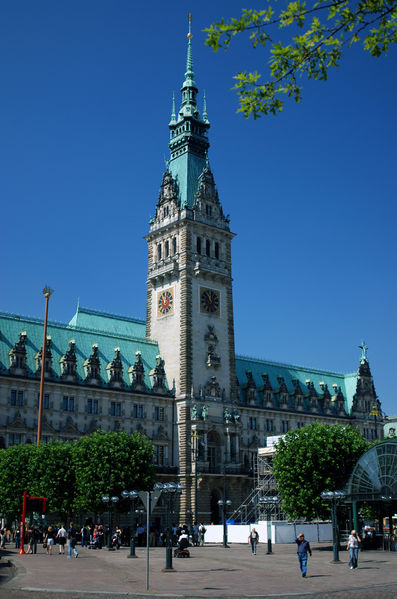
(363, 348)
(190, 34)
(189, 61)
(173, 113)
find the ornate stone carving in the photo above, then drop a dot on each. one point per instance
(137, 372)
(194, 412)
(227, 416)
(92, 366)
(115, 370)
(250, 387)
(48, 359)
(68, 362)
(158, 374)
(212, 388)
(17, 355)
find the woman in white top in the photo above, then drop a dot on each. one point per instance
(352, 545)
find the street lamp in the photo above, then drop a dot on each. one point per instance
(269, 501)
(110, 502)
(224, 505)
(375, 413)
(170, 491)
(132, 496)
(334, 497)
(47, 294)
(195, 451)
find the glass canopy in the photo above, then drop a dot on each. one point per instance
(374, 477)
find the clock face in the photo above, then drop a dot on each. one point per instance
(209, 301)
(165, 302)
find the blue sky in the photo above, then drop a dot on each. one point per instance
(85, 104)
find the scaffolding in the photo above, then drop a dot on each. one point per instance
(252, 510)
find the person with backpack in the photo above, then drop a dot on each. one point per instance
(201, 535)
(253, 539)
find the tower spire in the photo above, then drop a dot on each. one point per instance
(188, 135)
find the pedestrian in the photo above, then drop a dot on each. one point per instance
(253, 539)
(352, 546)
(61, 536)
(72, 540)
(17, 536)
(303, 550)
(30, 539)
(195, 532)
(49, 540)
(84, 532)
(201, 535)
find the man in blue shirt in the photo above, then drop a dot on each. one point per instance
(303, 550)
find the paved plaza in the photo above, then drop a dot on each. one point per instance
(212, 571)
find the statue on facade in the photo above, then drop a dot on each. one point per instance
(204, 413)
(236, 416)
(227, 415)
(193, 412)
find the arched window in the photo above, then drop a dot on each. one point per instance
(199, 245)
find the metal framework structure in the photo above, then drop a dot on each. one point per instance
(252, 509)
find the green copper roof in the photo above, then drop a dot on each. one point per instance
(105, 330)
(109, 323)
(289, 372)
(188, 138)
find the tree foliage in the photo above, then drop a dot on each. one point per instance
(107, 464)
(318, 36)
(15, 479)
(74, 476)
(316, 458)
(52, 475)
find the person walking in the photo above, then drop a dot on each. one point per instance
(49, 540)
(253, 539)
(352, 546)
(72, 540)
(201, 535)
(303, 550)
(61, 536)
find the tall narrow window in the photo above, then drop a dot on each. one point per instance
(167, 249)
(174, 245)
(159, 251)
(216, 250)
(208, 247)
(199, 245)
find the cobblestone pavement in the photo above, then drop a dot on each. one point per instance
(212, 571)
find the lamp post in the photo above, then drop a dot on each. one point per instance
(47, 294)
(224, 505)
(375, 413)
(269, 501)
(170, 491)
(334, 497)
(110, 502)
(132, 496)
(195, 448)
